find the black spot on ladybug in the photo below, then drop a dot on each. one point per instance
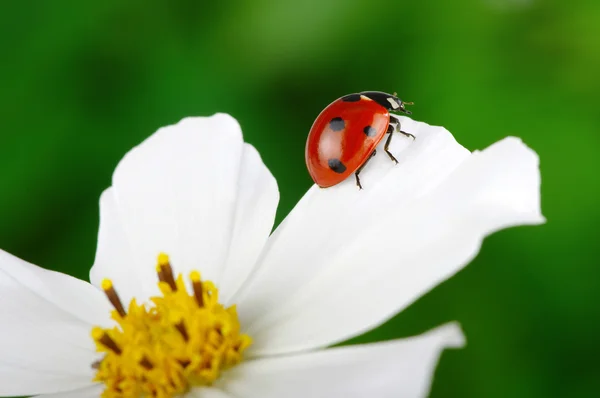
(337, 124)
(351, 98)
(336, 165)
(370, 131)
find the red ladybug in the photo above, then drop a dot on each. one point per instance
(344, 136)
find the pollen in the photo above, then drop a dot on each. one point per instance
(163, 348)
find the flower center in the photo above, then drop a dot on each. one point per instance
(176, 342)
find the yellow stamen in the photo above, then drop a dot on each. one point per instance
(104, 341)
(177, 341)
(113, 297)
(163, 259)
(197, 285)
(166, 272)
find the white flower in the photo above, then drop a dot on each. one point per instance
(343, 262)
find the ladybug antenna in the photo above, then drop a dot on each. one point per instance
(403, 109)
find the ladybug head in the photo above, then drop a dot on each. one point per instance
(389, 101)
(401, 108)
(401, 105)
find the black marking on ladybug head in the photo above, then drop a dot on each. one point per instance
(351, 98)
(336, 165)
(337, 124)
(370, 131)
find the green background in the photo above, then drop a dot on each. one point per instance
(82, 82)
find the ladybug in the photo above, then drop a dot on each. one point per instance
(344, 136)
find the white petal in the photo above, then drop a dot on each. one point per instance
(93, 391)
(353, 259)
(45, 338)
(400, 368)
(195, 191)
(208, 392)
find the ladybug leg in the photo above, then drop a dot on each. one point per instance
(397, 128)
(361, 167)
(391, 128)
(387, 146)
(405, 133)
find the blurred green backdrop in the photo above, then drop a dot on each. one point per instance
(82, 82)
